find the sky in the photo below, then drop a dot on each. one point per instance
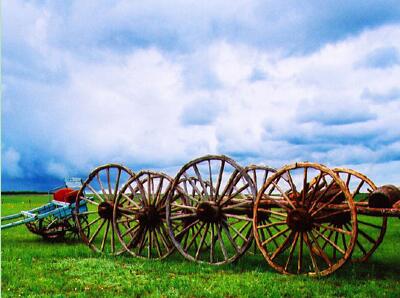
(154, 84)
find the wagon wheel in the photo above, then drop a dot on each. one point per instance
(371, 230)
(139, 216)
(209, 217)
(72, 231)
(259, 174)
(302, 213)
(49, 227)
(95, 202)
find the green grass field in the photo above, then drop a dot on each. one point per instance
(33, 267)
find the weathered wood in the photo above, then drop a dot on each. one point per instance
(384, 197)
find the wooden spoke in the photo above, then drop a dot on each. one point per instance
(108, 181)
(280, 214)
(221, 243)
(292, 185)
(158, 192)
(274, 236)
(284, 195)
(320, 250)
(202, 183)
(219, 181)
(226, 230)
(212, 195)
(326, 204)
(289, 259)
(233, 179)
(339, 230)
(279, 223)
(238, 233)
(369, 224)
(97, 231)
(333, 244)
(300, 256)
(238, 217)
(282, 246)
(313, 260)
(366, 236)
(212, 244)
(103, 242)
(194, 237)
(203, 237)
(358, 188)
(117, 183)
(95, 193)
(101, 185)
(194, 187)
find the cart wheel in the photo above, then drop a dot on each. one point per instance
(95, 202)
(303, 205)
(139, 216)
(50, 228)
(72, 231)
(371, 230)
(259, 174)
(209, 216)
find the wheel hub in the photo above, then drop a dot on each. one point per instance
(209, 212)
(105, 210)
(150, 217)
(299, 220)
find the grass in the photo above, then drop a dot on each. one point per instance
(33, 267)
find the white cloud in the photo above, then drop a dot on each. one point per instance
(145, 107)
(10, 163)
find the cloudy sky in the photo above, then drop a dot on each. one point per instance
(154, 84)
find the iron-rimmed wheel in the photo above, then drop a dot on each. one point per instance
(304, 203)
(139, 215)
(371, 230)
(210, 216)
(98, 194)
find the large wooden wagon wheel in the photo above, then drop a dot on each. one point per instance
(209, 217)
(139, 215)
(303, 204)
(371, 230)
(99, 192)
(259, 174)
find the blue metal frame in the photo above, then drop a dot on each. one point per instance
(58, 209)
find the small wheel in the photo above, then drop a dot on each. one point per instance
(94, 207)
(72, 231)
(371, 230)
(209, 216)
(259, 174)
(139, 216)
(303, 204)
(49, 227)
